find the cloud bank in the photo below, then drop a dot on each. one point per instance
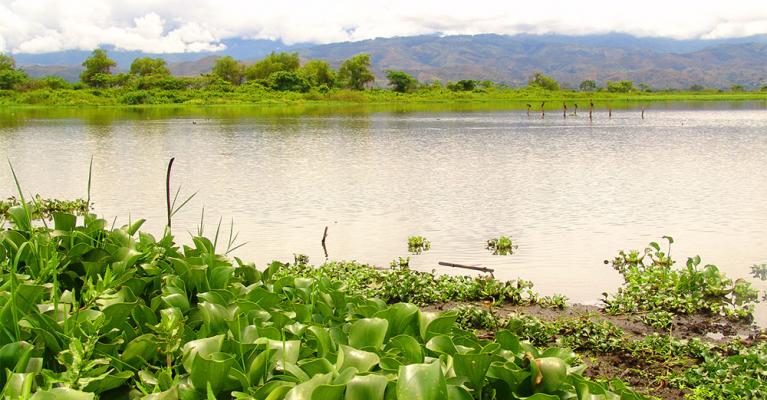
(176, 26)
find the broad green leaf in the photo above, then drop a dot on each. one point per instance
(204, 347)
(366, 387)
(211, 371)
(62, 394)
(349, 357)
(433, 325)
(408, 347)
(472, 366)
(304, 390)
(368, 333)
(421, 382)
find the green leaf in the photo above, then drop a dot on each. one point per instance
(368, 333)
(421, 382)
(408, 347)
(304, 390)
(204, 347)
(366, 387)
(432, 325)
(472, 366)
(62, 394)
(349, 357)
(211, 370)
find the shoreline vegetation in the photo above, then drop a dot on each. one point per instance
(283, 79)
(90, 311)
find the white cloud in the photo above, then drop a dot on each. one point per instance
(34, 26)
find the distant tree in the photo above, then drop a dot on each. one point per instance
(544, 82)
(97, 65)
(54, 82)
(272, 63)
(464, 85)
(228, 69)
(643, 87)
(319, 73)
(7, 62)
(401, 82)
(289, 81)
(588, 86)
(145, 66)
(10, 77)
(764, 88)
(487, 84)
(620, 86)
(737, 88)
(355, 73)
(697, 88)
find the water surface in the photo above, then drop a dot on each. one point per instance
(570, 192)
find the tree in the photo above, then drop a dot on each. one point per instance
(464, 85)
(697, 88)
(228, 69)
(319, 73)
(7, 62)
(355, 73)
(401, 82)
(737, 88)
(97, 64)
(289, 81)
(588, 86)
(620, 86)
(544, 82)
(643, 87)
(146, 66)
(272, 63)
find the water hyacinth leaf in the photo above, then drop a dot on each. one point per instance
(14, 357)
(62, 394)
(458, 393)
(64, 222)
(508, 341)
(472, 366)
(285, 351)
(442, 344)
(421, 382)
(214, 317)
(139, 350)
(107, 381)
(211, 371)
(408, 347)
(304, 390)
(403, 319)
(19, 385)
(273, 390)
(509, 374)
(349, 357)
(329, 392)
(433, 325)
(204, 347)
(316, 366)
(319, 339)
(368, 333)
(366, 387)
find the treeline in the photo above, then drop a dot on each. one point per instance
(149, 80)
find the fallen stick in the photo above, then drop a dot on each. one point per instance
(474, 267)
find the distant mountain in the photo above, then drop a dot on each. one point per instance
(659, 62)
(570, 60)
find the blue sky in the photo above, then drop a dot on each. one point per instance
(40, 26)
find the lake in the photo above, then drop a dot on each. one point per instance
(569, 191)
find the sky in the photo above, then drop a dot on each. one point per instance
(176, 26)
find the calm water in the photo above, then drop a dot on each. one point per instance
(570, 192)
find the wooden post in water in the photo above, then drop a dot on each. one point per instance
(325, 236)
(591, 108)
(576, 109)
(642, 112)
(543, 112)
(609, 112)
(528, 109)
(167, 190)
(564, 110)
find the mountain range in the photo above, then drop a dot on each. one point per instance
(658, 62)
